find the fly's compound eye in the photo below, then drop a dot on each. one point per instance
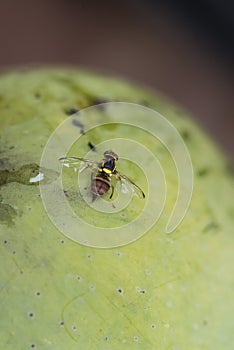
(111, 154)
(107, 152)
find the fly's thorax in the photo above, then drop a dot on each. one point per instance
(109, 164)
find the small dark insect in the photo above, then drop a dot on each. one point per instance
(102, 173)
(92, 147)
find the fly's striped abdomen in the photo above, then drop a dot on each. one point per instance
(99, 185)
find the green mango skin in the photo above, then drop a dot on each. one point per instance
(164, 291)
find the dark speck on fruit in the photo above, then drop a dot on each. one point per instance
(120, 290)
(145, 103)
(203, 172)
(37, 95)
(212, 226)
(99, 101)
(185, 135)
(71, 110)
(78, 124)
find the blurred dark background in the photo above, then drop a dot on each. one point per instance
(185, 50)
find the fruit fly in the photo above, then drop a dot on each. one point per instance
(102, 174)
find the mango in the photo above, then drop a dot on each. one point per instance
(163, 290)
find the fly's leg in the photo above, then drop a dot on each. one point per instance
(94, 194)
(112, 191)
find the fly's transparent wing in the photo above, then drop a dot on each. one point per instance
(124, 187)
(128, 185)
(76, 162)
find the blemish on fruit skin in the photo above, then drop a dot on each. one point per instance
(99, 101)
(212, 226)
(119, 254)
(24, 175)
(120, 290)
(92, 287)
(203, 172)
(79, 125)
(66, 193)
(31, 314)
(4, 177)
(7, 214)
(71, 110)
(140, 290)
(37, 95)
(185, 135)
(135, 338)
(145, 103)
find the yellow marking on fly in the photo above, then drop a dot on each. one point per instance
(107, 171)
